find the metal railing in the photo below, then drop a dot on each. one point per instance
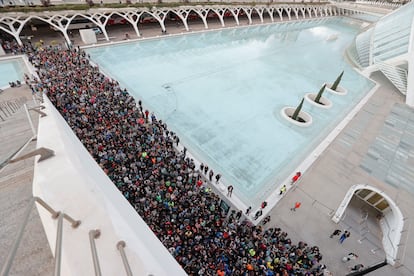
(17, 152)
(94, 234)
(74, 223)
(58, 245)
(8, 108)
(121, 245)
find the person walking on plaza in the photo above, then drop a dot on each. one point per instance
(282, 190)
(297, 205)
(357, 267)
(263, 205)
(295, 178)
(229, 190)
(344, 235)
(248, 210)
(218, 176)
(335, 233)
(258, 214)
(350, 256)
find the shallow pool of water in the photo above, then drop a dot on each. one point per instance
(222, 92)
(11, 70)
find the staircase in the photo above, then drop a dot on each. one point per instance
(396, 75)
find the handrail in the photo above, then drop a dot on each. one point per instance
(7, 160)
(10, 258)
(29, 119)
(11, 106)
(58, 245)
(74, 223)
(94, 234)
(121, 245)
(9, 261)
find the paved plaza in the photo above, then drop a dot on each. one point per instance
(33, 256)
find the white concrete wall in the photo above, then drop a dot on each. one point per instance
(391, 231)
(88, 36)
(72, 182)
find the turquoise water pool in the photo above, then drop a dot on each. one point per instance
(222, 92)
(11, 70)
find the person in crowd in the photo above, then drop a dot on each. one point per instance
(266, 220)
(258, 214)
(230, 190)
(161, 183)
(218, 176)
(210, 175)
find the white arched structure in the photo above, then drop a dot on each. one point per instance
(13, 23)
(391, 223)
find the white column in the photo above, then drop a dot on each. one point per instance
(409, 98)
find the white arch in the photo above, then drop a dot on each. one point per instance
(183, 15)
(259, 11)
(127, 16)
(392, 236)
(303, 12)
(280, 13)
(296, 12)
(288, 10)
(61, 20)
(234, 13)
(10, 22)
(248, 12)
(270, 11)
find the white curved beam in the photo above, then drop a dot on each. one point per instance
(60, 21)
(248, 12)
(183, 15)
(259, 11)
(133, 18)
(280, 12)
(270, 12)
(288, 11)
(296, 12)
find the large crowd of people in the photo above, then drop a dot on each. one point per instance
(12, 47)
(138, 153)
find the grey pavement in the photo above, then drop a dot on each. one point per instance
(323, 186)
(33, 256)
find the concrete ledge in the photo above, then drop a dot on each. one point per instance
(73, 183)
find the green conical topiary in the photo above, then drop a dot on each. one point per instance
(297, 110)
(336, 83)
(318, 97)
